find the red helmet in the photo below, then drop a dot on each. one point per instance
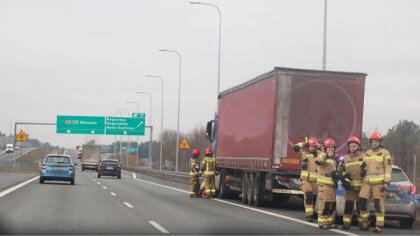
(209, 151)
(312, 142)
(196, 152)
(377, 136)
(329, 143)
(353, 139)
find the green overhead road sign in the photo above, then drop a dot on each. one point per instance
(125, 126)
(139, 115)
(80, 125)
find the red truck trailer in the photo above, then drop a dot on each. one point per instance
(259, 121)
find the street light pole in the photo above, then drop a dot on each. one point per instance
(115, 142)
(220, 40)
(179, 105)
(161, 120)
(151, 127)
(128, 140)
(137, 137)
(324, 50)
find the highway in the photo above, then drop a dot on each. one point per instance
(139, 204)
(9, 156)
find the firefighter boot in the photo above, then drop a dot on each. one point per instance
(377, 229)
(310, 218)
(345, 227)
(364, 226)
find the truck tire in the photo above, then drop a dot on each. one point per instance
(223, 191)
(406, 223)
(257, 196)
(244, 180)
(250, 189)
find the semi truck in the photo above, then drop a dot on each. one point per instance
(259, 121)
(91, 156)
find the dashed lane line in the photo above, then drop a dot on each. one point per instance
(159, 227)
(113, 194)
(128, 205)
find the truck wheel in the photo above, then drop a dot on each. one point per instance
(258, 201)
(250, 189)
(244, 188)
(406, 223)
(222, 186)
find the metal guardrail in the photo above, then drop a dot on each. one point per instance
(180, 177)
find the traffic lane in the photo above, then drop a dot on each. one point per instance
(61, 208)
(180, 214)
(8, 179)
(17, 153)
(292, 208)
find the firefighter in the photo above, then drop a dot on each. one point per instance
(308, 175)
(208, 167)
(328, 177)
(376, 171)
(351, 180)
(195, 173)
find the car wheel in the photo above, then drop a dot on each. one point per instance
(72, 182)
(406, 223)
(83, 169)
(119, 176)
(41, 180)
(243, 188)
(99, 176)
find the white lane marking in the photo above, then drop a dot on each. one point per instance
(254, 209)
(163, 186)
(158, 227)
(98, 182)
(9, 190)
(126, 176)
(94, 180)
(113, 194)
(128, 205)
(134, 176)
(104, 187)
(280, 216)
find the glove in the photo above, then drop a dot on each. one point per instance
(296, 148)
(315, 153)
(346, 181)
(319, 163)
(305, 166)
(335, 175)
(343, 167)
(386, 185)
(363, 170)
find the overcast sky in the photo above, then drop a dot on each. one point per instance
(89, 57)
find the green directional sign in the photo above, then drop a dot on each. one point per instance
(125, 126)
(139, 115)
(80, 125)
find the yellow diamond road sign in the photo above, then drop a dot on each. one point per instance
(21, 136)
(184, 144)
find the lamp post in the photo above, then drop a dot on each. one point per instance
(137, 137)
(220, 40)
(128, 140)
(161, 120)
(151, 127)
(179, 105)
(115, 145)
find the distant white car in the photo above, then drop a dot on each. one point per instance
(17, 147)
(9, 148)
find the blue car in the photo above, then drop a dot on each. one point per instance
(57, 167)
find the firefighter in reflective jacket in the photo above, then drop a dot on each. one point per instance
(328, 176)
(376, 171)
(195, 173)
(208, 167)
(351, 180)
(308, 175)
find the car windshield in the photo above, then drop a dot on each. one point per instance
(110, 163)
(398, 176)
(58, 159)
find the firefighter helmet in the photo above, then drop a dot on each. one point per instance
(353, 139)
(196, 152)
(329, 143)
(312, 142)
(209, 151)
(376, 136)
